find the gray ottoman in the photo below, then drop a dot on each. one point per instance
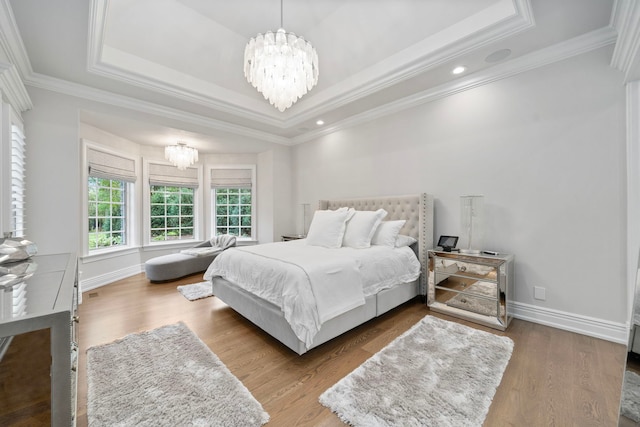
(174, 266)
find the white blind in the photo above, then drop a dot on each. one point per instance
(18, 166)
(230, 178)
(171, 176)
(110, 166)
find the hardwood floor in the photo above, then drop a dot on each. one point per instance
(554, 378)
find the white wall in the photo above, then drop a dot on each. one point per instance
(54, 187)
(547, 150)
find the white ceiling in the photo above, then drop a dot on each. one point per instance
(178, 63)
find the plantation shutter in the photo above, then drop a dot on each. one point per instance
(18, 146)
(110, 166)
(231, 178)
(171, 176)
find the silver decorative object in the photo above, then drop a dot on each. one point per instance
(14, 273)
(14, 249)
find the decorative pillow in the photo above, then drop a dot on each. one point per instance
(360, 228)
(327, 227)
(403, 240)
(387, 233)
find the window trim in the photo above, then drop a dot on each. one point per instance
(146, 210)
(209, 200)
(130, 215)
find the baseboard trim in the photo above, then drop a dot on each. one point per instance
(584, 325)
(112, 276)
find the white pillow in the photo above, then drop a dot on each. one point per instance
(327, 227)
(403, 240)
(387, 233)
(360, 228)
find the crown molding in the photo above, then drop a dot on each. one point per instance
(13, 89)
(200, 93)
(559, 52)
(102, 96)
(216, 98)
(95, 35)
(625, 18)
(14, 51)
(11, 41)
(521, 20)
(197, 95)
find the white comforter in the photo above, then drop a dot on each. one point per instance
(312, 284)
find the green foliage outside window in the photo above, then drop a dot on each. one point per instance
(106, 213)
(171, 213)
(233, 211)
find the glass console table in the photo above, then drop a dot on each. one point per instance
(49, 299)
(477, 288)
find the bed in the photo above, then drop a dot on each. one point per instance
(275, 319)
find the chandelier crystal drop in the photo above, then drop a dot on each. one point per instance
(180, 155)
(282, 66)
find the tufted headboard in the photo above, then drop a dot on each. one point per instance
(417, 209)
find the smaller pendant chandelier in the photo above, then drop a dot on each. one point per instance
(181, 155)
(282, 66)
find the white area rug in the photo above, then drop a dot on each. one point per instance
(438, 373)
(630, 402)
(165, 377)
(477, 305)
(196, 291)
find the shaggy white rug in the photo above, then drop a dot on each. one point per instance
(630, 402)
(477, 305)
(196, 291)
(165, 377)
(438, 373)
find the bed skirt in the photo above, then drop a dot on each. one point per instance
(270, 318)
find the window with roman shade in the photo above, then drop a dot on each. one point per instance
(172, 202)
(110, 179)
(233, 196)
(110, 166)
(231, 178)
(169, 175)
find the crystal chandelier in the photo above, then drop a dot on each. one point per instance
(181, 155)
(282, 66)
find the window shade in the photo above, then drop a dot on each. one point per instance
(171, 176)
(18, 222)
(231, 178)
(110, 166)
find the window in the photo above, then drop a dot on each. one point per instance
(171, 213)
(233, 201)
(173, 195)
(233, 211)
(110, 181)
(107, 207)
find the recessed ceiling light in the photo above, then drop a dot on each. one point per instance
(320, 122)
(459, 69)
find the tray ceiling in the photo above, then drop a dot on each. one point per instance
(183, 58)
